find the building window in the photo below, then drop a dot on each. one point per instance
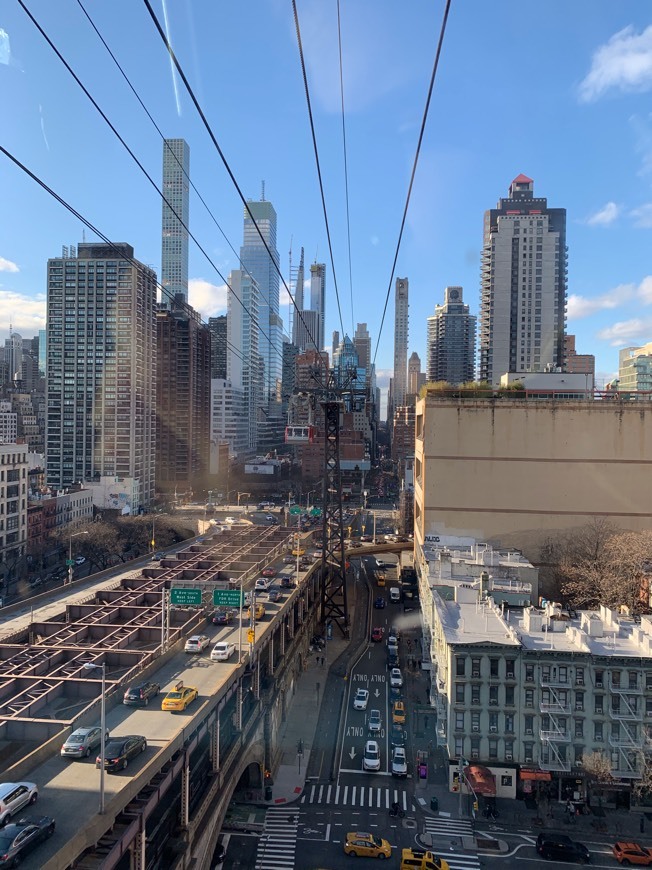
(597, 732)
(579, 676)
(493, 722)
(579, 700)
(510, 668)
(475, 668)
(459, 721)
(493, 667)
(599, 704)
(475, 694)
(529, 697)
(493, 749)
(509, 723)
(529, 673)
(460, 666)
(459, 693)
(459, 746)
(509, 696)
(528, 724)
(493, 695)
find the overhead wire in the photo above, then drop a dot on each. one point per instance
(316, 151)
(346, 169)
(143, 170)
(80, 217)
(225, 162)
(435, 67)
(162, 135)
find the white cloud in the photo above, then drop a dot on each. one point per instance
(627, 331)
(383, 375)
(644, 290)
(604, 216)
(209, 299)
(624, 63)
(581, 306)
(26, 314)
(642, 216)
(8, 266)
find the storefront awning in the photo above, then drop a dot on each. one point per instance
(541, 775)
(481, 780)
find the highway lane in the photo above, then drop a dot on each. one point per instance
(69, 790)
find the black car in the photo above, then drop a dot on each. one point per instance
(19, 838)
(222, 617)
(398, 735)
(379, 603)
(140, 693)
(119, 751)
(561, 848)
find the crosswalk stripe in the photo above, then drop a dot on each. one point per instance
(277, 843)
(369, 797)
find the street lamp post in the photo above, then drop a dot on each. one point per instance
(70, 560)
(91, 666)
(308, 499)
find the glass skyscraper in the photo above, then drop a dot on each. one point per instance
(174, 248)
(264, 269)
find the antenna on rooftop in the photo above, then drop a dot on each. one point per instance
(262, 193)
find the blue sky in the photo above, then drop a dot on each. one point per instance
(559, 91)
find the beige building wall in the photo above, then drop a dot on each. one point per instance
(515, 471)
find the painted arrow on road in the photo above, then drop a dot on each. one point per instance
(352, 753)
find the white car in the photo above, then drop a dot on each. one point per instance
(229, 520)
(375, 722)
(197, 643)
(222, 651)
(80, 560)
(361, 699)
(399, 761)
(395, 678)
(14, 796)
(371, 759)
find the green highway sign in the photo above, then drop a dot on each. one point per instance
(226, 597)
(315, 512)
(70, 562)
(295, 509)
(185, 597)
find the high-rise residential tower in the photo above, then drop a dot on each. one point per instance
(101, 369)
(243, 360)
(362, 343)
(400, 341)
(416, 378)
(218, 328)
(183, 397)
(318, 300)
(263, 268)
(524, 284)
(451, 340)
(174, 249)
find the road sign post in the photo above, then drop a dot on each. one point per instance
(227, 597)
(185, 597)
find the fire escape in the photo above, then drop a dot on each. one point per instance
(555, 709)
(626, 711)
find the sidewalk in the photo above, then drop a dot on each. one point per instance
(315, 689)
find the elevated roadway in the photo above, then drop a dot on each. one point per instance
(168, 804)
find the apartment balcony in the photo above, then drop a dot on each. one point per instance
(555, 736)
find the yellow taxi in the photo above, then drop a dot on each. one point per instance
(398, 713)
(179, 698)
(298, 551)
(381, 579)
(260, 612)
(365, 845)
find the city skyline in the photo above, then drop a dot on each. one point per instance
(594, 99)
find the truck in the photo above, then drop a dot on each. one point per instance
(408, 575)
(411, 859)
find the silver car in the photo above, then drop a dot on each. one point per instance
(82, 742)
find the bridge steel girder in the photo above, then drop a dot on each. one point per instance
(333, 563)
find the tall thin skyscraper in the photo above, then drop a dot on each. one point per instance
(243, 361)
(101, 369)
(318, 300)
(400, 341)
(524, 284)
(415, 376)
(451, 340)
(264, 269)
(176, 216)
(297, 325)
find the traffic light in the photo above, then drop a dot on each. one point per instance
(476, 806)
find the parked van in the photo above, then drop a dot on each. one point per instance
(394, 594)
